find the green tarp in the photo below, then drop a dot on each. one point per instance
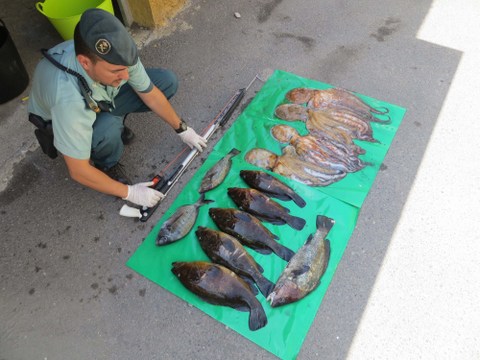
(287, 325)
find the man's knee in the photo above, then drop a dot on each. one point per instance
(107, 133)
(166, 80)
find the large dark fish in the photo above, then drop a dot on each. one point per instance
(270, 186)
(218, 285)
(180, 223)
(226, 250)
(249, 231)
(217, 173)
(304, 271)
(264, 208)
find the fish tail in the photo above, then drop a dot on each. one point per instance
(234, 151)
(258, 318)
(296, 222)
(324, 222)
(298, 200)
(264, 285)
(203, 201)
(284, 252)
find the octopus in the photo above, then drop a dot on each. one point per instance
(291, 166)
(337, 121)
(313, 150)
(336, 98)
(340, 126)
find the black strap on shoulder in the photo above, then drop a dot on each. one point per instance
(84, 88)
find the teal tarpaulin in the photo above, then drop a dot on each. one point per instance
(287, 325)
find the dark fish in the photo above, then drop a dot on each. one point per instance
(180, 223)
(304, 271)
(226, 250)
(249, 231)
(270, 186)
(218, 172)
(264, 208)
(218, 285)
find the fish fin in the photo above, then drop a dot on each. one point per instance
(310, 237)
(274, 221)
(324, 222)
(203, 201)
(327, 257)
(327, 250)
(284, 252)
(298, 200)
(234, 151)
(300, 271)
(250, 283)
(243, 216)
(278, 196)
(241, 307)
(264, 285)
(258, 318)
(263, 251)
(296, 222)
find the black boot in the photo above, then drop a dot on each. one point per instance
(117, 172)
(127, 135)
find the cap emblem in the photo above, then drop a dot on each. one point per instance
(103, 46)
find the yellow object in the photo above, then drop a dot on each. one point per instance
(155, 13)
(64, 15)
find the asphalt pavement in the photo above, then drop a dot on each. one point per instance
(408, 285)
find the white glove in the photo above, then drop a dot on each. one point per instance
(142, 194)
(191, 138)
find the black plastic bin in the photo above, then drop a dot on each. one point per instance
(13, 76)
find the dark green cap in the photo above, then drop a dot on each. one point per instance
(106, 36)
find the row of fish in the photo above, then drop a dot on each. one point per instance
(224, 282)
(333, 118)
(229, 279)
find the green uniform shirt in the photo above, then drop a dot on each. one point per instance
(55, 95)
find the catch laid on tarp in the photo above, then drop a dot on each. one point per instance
(288, 325)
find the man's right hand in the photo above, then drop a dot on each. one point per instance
(141, 194)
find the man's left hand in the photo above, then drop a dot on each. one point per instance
(192, 139)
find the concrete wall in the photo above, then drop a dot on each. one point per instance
(151, 13)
